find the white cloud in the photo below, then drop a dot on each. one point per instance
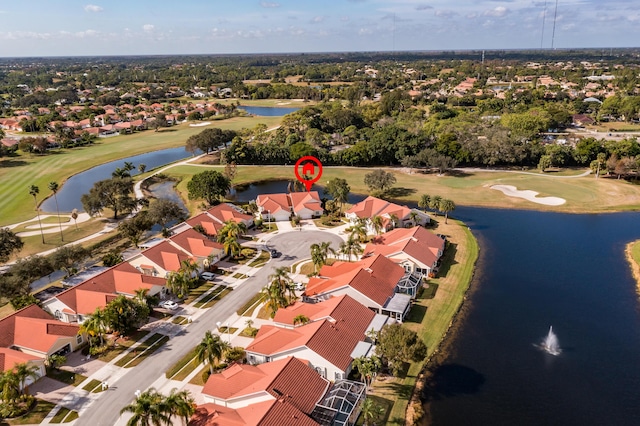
(93, 8)
(499, 11)
(269, 5)
(148, 27)
(317, 19)
(87, 33)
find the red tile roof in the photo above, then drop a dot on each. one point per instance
(309, 200)
(224, 212)
(269, 413)
(372, 206)
(195, 243)
(211, 225)
(375, 277)
(9, 358)
(341, 308)
(33, 328)
(416, 242)
(289, 378)
(273, 202)
(333, 342)
(166, 256)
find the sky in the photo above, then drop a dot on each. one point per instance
(152, 27)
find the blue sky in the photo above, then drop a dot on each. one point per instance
(117, 27)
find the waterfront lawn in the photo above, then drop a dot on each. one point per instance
(19, 172)
(635, 252)
(431, 317)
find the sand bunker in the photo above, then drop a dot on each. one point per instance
(512, 191)
(206, 123)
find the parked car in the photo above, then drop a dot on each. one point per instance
(169, 304)
(298, 286)
(207, 276)
(275, 253)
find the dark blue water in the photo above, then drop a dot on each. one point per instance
(268, 111)
(540, 269)
(73, 188)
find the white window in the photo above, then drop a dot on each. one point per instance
(58, 314)
(338, 375)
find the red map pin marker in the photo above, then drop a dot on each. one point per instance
(311, 167)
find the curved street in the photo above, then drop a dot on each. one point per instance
(294, 245)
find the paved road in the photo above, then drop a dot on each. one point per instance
(106, 410)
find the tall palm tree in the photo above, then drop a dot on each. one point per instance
(275, 298)
(149, 408)
(424, 202)
(142, 167)
(189, 267)
(9, 386)
(34, 191)
(95, 325)
(211, 349)
(180, 404)
(351, 247)
(370, 411)
(320, 253)
(377, 222)
(446, 206)
(178, 283)
(23, 372)
(53, 186)
(413, 216)
(359, 231)
(395, 220)
(280, 292)
(434, 203)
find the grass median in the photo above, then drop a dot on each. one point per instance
(142, 351)
(212, 298)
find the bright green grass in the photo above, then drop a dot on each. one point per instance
(64, 415)
(94, 386)
(248, 308)
(635, 251)
(212, 298)
(17, 174)
(183, 366)
(141, 352)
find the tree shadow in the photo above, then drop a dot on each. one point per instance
(447, 259)
(166, 130)
(458, 173)
(12, 163)
(416, 314)
(449, 380)
(399, 192)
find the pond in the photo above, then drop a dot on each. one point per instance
(268, 111)
(70, 193)
(538, 270)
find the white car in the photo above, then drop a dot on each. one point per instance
(207, 276)
(169, 304)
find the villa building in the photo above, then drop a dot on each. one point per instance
(280, 207)
(371, 207)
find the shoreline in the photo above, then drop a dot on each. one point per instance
(633, 265)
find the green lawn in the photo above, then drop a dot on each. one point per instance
(185, 365)
(122, 345)
(35, 416)
(94, 386)
(64, 376)
(635, 252)
(142, 351)
(18, 173)
(197, 292)
(260, 260)
(212, 298)
(64, 415)
(248, 308)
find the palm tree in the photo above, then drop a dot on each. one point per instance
(351, 247)
(446, 206)
(370, 411)
(211, 349)
(280, 292)
(434, 203)
(395, 220)
(413, 216)
(189, 267)
(149, 408)
(178, 283)
(229, 235)
(142, 167)
(9, 386)
(95, 325)
(320, 253)
(359, 231)
(274, 298)
(34, 191)
(180, 404)
(23, 372)
(53, 186)
(424, 202)
(378, 223)
(368, 367)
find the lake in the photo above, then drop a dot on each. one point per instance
(73, 188)
(538, 270)
(268, 111)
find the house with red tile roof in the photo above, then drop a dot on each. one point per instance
(161, 259)
(334, 309)
(243, 384)
(372, 206)
(9, 358)
(274, 207)
(32, 334)
(224, 212)
(204, 250)
(307, 205)
(415, 249)
(376, 282)
(74, 304)
(268, 413)
(210, 224)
